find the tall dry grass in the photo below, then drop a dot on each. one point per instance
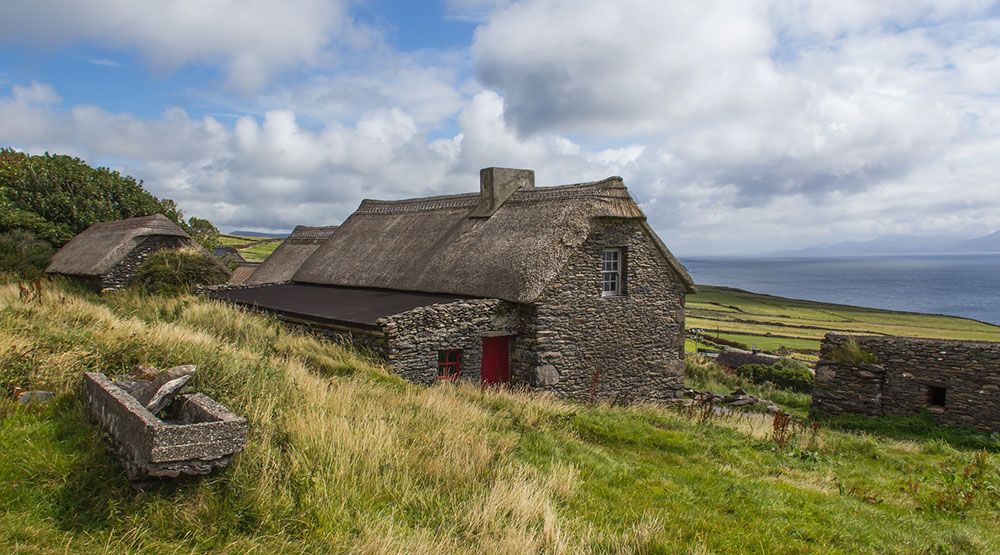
(340, 454)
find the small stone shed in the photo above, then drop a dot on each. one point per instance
(565, 289)
(282, 264)
(957, 381)
(107, 254)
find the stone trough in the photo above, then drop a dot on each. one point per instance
(197, 436)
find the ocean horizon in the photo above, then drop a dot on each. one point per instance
(964, 285)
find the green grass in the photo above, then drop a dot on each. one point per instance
(774, 322)
(345, 457)
(253, 249)
(703, 375)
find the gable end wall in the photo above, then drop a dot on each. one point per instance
(630, 348)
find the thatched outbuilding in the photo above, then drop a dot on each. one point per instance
(282, 264)
(228, 254)
(108, 254)
(565, 289)
(242, 273)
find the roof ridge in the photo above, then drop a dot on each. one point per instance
(314, 227)
(468, 200)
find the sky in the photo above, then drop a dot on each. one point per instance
(741, 126)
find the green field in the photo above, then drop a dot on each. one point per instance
(772, 323)
(345, 457)
(253, 249)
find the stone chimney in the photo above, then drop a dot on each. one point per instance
(496, 185)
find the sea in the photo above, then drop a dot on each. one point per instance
(966, 285)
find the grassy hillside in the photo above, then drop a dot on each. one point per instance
(772, 323)
(345, 457)
(253, 249)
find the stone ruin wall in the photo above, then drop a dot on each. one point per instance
(899, 382)
(623, 349)
(734, 358)
(120, 274)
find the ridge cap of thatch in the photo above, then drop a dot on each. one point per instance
(138, 222)
(571, 191)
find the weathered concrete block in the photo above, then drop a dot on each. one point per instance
(199, 436)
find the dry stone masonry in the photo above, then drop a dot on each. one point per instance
(414, 337)
(957, 381)
(620, 349)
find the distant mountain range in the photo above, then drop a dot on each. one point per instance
(241, 233)
(902, 244)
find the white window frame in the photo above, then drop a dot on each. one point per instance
(611, 267)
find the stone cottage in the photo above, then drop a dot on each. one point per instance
(282, 264)
(107, 254)
(565, 289)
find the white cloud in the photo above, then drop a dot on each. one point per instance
(424, 85)
(251, 39)
(740, 126)
(765, 116)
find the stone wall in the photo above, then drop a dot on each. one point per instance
(204, 289)
(120, 274)
(900, 380)
(622, 349)
(414, 337)
(734, 358)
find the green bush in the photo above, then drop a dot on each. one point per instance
(786, 374)
(169, 271)
(850, 353)
(23, 253)
(55, 197)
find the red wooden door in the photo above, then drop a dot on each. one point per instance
(496, 361)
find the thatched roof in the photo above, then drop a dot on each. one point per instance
(243, 272)
(228, 253)
(99, 247)
(281, 264)
(432, 245)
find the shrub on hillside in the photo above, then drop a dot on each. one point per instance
(178, 270)
(55, 196)
(850, 353)
(23, 253)
(204, 232)
(786, 374)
